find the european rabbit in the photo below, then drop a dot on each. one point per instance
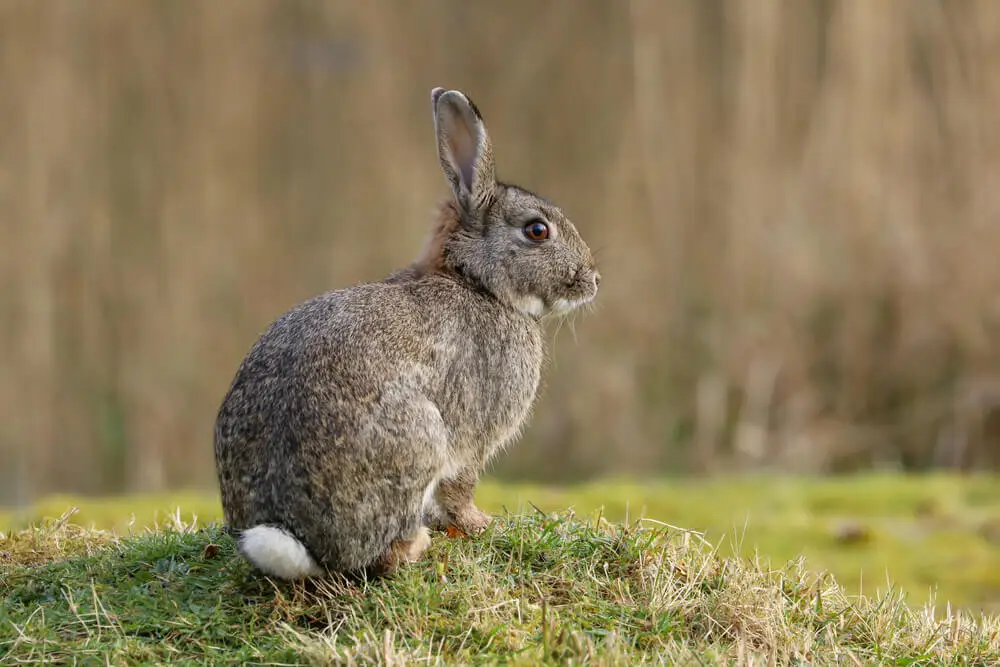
(366, 414)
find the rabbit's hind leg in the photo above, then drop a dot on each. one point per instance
(403, 551)
(408, 446)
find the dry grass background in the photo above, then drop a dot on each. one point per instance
(793, 204)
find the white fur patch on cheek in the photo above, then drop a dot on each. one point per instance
(530, 305)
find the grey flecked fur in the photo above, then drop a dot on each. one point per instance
(352, 404)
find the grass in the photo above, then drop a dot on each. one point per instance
(933, 537)
(538, 588)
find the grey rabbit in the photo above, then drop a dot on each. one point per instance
(363, 417)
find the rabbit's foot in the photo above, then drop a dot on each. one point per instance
(470, 520)
(418, 544)
(434, 517)
(456, 508)
(403, 551)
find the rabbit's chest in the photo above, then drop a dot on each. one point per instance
(506, 401)
(489, 389)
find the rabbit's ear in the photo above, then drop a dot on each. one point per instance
(464, 149)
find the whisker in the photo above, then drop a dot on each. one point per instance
(559, 325)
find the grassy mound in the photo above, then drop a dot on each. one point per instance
(538, 588)
(934, 537)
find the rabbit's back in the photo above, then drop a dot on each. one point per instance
(475, 358)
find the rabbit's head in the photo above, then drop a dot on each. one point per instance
(501, 238)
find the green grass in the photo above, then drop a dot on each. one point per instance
(534, 589)
(933, 537)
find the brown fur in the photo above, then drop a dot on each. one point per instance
(446, 224)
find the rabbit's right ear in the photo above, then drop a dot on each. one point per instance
(464, 150)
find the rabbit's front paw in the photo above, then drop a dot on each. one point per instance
(435, 518)
(470, 520)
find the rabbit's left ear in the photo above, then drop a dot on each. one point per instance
(464, 150)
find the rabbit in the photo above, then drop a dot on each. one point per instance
(362, 418)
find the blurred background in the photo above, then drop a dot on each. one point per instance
(792, 203)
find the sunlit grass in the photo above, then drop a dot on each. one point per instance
(533, 589)
(934, 537)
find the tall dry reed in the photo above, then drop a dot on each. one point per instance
(792, 201)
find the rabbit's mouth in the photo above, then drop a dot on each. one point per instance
(537, 308)
(564, 306)
(582, 289)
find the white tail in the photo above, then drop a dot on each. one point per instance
(277, 553)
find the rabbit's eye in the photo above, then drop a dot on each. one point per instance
(536, 230)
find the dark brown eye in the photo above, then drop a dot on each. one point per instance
(536, 230)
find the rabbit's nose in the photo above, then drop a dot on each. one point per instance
(597, 278)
